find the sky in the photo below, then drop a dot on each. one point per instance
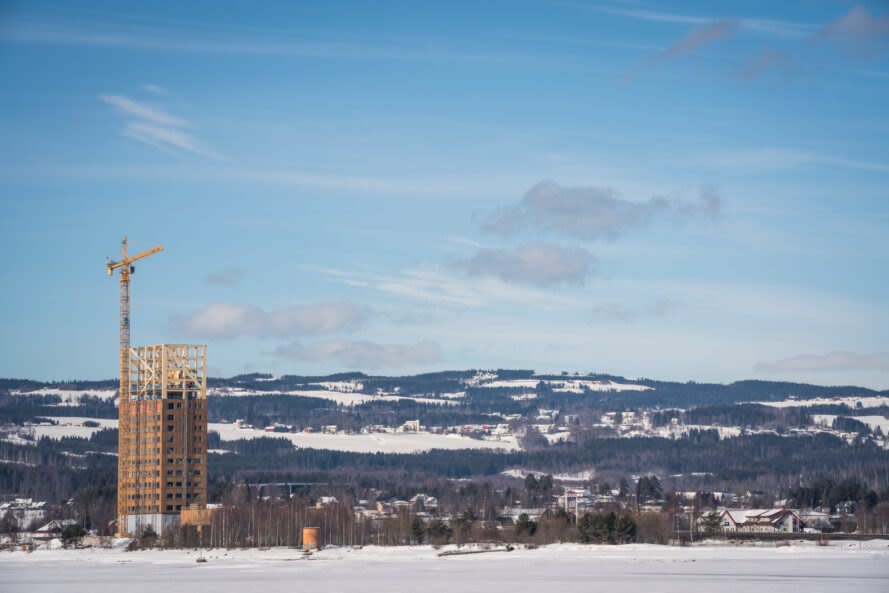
(683, 191)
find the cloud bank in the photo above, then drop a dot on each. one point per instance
(833, 361)
(857, 25)
(593, 213)
(228, 320)
(536, 264)
(363, 354)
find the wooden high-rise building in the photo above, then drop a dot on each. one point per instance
(162, 447)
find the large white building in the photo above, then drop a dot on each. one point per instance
(24, 511)
(760, 520)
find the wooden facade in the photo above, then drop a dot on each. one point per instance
(162, 446)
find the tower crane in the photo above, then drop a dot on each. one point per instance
(126, 267)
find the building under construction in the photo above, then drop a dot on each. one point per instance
(162, 442)
(162, 449)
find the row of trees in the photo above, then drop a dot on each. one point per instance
(280, 523)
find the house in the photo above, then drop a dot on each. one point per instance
(53, 529)
(512, 514)
(423, 503)
(410, 426)
(779, 520)
(575, 499)
(24, 511)
(325, 501)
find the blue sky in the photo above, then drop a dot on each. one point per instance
(693, 191)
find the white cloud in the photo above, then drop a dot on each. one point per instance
(592, 212)
(228, 320)
(776, 158)
(766, 26)
(155, 89)
(537, 264)
(226, 277)
(435, 285)
(143, 112)
(857, 25)
(156, 128)
(364, 354)
(832, 361)
(628, 314)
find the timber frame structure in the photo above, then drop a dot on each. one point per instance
(162, 447)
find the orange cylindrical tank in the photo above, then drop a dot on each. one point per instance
(310, 539)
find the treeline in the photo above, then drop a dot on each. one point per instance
(302, 412)
(830, 494)
(16, 409)
(663, 394)
(46, 471)
(52, 470)
(779, 460)
(278, 522)
(743, 415)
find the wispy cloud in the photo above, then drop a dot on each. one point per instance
(240, 41)
(769, 60)
(155, 89)
(756, 25)
(363, 354)
(873, 73)
(857, 25)
(226, 277)
(141, 111)
(698, 38)
(628, 314)
(229, 320)
(833, 361)
(537, 264)
(439, 286)
(775, 158)
(593, 212)
(156, 127)
(692, 41)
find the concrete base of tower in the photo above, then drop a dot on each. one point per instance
(135, 525)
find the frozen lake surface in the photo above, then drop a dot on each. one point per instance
(841, 567)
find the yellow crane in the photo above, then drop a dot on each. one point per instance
(126, 267)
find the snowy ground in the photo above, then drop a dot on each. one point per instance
(564, 385)
(71, 426)
(375, 442)
(840, 567)
(343, 398)
(68, 396)
(873, 422)
(851, 401)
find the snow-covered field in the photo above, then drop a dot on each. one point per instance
(841, 567)
(874, 401)
(873, 422)
(69, 397)
(565, 386)
(343, 398)
(375, 442)
(71, 426)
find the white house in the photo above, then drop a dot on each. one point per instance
(760, 520)
(24, 511)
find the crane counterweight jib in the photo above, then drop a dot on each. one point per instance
(126, 262)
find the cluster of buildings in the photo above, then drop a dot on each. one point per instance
(22, 513)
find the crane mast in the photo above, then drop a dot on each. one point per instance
(125, 265)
